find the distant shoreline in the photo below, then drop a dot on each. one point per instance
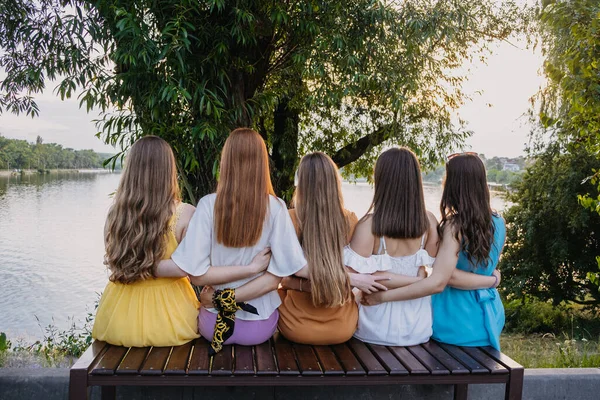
(8, 173)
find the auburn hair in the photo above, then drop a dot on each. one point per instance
(144, 203)
(323, 229)
(465, 206)
(398, 202)
(243, 189)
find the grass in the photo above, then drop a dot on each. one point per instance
(550, 351)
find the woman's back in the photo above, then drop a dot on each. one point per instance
(153, 311)
(303, 322)
(395, 323)
(201, 250)
(472, 317)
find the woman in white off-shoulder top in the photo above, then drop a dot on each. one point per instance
(397, 241)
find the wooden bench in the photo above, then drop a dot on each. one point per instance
(282, 363)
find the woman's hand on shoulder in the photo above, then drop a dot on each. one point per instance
(261, 261)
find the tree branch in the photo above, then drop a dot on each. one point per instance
(353, 151)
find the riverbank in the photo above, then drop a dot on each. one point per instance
(26, 172)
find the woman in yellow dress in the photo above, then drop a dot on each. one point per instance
(145, 225)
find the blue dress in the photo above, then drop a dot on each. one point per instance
(471, 317)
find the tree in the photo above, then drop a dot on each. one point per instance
(552, 241)
(346, 77)
(570, 103)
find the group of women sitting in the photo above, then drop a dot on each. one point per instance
(315, 273)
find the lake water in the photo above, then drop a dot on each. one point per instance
(51, 245)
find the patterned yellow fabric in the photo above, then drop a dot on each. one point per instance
(154, 312)
(224, 301)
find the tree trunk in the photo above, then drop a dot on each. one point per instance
(284, 154)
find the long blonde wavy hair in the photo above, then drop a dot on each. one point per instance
(323, 229)
(139, 218)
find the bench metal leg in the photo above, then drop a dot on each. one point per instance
(461, 392)
(514, 386)
(109, 392)
(78, 389)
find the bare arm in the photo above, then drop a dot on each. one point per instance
(255, 288)
(217, 275)
(394, 281)
(443, 268)
(470, 281)
(295, 283)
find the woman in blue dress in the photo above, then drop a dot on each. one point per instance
(472, 237)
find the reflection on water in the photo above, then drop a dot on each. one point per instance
(51, 245)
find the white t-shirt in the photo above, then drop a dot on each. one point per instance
(199, 250)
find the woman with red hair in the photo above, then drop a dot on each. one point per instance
(229, 228)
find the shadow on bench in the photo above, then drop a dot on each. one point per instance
(282, 363)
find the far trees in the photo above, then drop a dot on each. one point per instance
(345, 77)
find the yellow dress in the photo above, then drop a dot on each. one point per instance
(153, 312)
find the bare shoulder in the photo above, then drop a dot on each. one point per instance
(431, 245)
(185, 215)
(362, 240)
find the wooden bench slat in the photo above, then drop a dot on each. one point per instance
(428, 360)
(453, 365)
(328, 361)
(484, 359)
(133, 361)
(348, 360)
(243, 360)
(307, 360)
(93, 353)
(388, 360)
(109, 362)
(265, 359)
(286, 359)
(179, 360)
(199, 361)
(412, 364)
(156, 361)
(222, 362)
(502, 358)
(465, 359)
(372, 366)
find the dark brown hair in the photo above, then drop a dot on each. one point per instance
(398, 203)
(138, 221)
(323, 229)
(243, 189)
(466, 207)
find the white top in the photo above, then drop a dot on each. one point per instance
(199, 250)
(395, 323)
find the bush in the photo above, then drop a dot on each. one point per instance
(536, 316)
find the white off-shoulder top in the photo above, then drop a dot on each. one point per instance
(396, 323)
(199, 250)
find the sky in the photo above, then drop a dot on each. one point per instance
(500, 90)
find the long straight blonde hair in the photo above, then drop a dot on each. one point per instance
(144, 203)
(323, 229)
(243, 189)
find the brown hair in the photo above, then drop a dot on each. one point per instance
(398, 202)
(243, 189)
(323, 229)
(139, 218)
(466, 206)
